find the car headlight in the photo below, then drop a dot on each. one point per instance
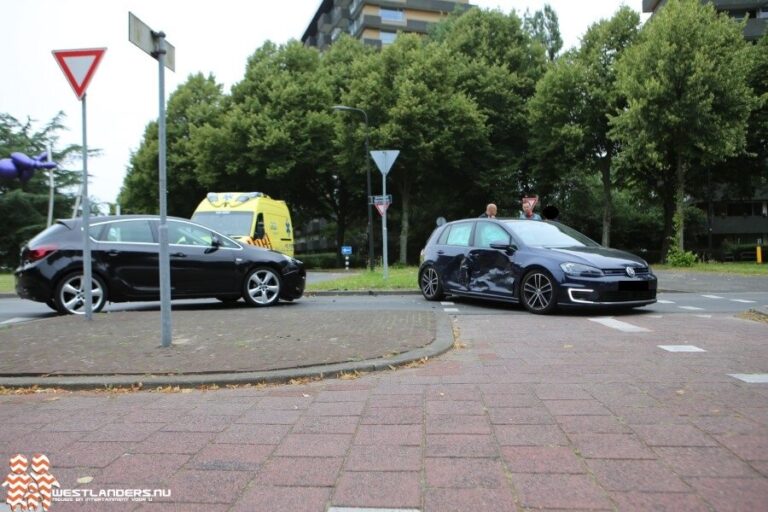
(578, 269)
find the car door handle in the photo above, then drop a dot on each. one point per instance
(113, 252)
(440, 252)
(179, 255)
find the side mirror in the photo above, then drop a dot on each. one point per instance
(215, 241)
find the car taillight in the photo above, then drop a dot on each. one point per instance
(38, 253)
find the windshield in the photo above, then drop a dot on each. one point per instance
(545, 234)
(228, 223)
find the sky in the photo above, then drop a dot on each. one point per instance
(209, 37)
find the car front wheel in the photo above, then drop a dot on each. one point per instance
(70, 294)
(429, 282)
(538, 292)
(262, 287)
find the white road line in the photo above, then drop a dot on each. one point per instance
(618, 324)
(451, 310)
(15, 320)
(703, 316)
(743, 301)
(712, 296)
(655, 316)
(751, 378)
(446, 303)
(665, 301)
(691, 308)
(681, 348)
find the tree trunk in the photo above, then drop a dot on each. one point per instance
(404, 225)
(668, 198)
(680, 200)
(605, 168)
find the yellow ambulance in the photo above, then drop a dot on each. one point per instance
(251, 217)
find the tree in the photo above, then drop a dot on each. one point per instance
(687, 99)
(569, 114)
(543, 26)
(24, 206)
(499, 65)
(195, 103)
(416, 105)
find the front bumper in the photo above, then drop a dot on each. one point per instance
(293, 284)
(609, 291)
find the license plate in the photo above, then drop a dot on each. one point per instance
(633, 286)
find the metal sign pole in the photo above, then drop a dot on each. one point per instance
(86, 284)
(384, 225)
(165, 270)
(50, 187)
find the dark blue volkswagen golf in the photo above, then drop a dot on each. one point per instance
(541, 264)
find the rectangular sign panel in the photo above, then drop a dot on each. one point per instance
(144, 37)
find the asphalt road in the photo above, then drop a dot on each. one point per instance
(16, 310)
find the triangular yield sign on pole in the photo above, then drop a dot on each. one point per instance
(385, 159)
(79, 66)
(382, 208)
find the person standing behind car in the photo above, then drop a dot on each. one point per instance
(528, 212)
(490, 211)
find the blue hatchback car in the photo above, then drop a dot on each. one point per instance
(541, 264)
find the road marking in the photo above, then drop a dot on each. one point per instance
(751, 378)
(712, 296)
(15, 320)
(451, 310)
(703, 316)
(655, 316)
(665, 301)
(446, 303)
(743, 301)
(359, 509)
(618, 324)
(691, 308)
(681, 348)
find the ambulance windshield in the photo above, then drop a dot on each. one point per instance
(228, 223)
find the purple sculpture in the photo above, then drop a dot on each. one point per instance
(23, 167)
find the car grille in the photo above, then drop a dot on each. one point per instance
(639, 271)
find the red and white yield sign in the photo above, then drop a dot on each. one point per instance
(79, 66)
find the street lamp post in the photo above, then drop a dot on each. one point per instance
(368, 180)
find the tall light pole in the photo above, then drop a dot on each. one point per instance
(368, 180)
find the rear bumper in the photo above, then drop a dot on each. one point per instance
(32, 286)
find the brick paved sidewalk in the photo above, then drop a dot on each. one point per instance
(516, 418)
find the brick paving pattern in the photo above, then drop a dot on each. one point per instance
(574, 417)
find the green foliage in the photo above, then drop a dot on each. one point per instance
(687, 99)
(325, 260)
(676, 256)
(195, 105)
(544, 27)
(24, 206)
(400, 278)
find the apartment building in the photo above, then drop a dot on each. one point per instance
(375, 22)
(756, 12)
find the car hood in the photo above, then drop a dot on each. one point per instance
(600, 257)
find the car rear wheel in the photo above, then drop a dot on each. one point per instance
(429, 282)
(538, 292)
(262, 287)
(70, 294)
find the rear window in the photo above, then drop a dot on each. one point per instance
(459, 234)
(53, 230)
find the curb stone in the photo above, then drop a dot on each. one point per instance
(442, 343)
